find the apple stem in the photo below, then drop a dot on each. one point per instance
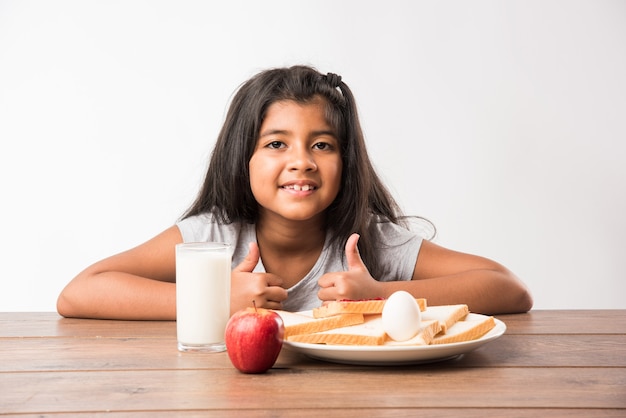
(254, 304)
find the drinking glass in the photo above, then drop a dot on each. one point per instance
(202, 295)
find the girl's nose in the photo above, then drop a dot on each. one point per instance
(302, 159)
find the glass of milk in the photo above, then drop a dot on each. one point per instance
(202, 295)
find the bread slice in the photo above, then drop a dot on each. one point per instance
(303, 323)
(365, 307)
(447, 315)
(426, 334)
(368, 333)
(467, 330)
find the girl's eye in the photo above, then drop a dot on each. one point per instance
(323, 146)
(275, 145)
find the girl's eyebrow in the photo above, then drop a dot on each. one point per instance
(273, 132)
(324, 132)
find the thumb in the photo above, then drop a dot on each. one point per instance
(252, 259)
(353, 257)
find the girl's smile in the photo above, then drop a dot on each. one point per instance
(295, 171)
(301, 187)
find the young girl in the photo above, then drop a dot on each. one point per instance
(291, 186)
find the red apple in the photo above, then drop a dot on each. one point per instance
(254, 337)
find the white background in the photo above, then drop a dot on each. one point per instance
(502, 122)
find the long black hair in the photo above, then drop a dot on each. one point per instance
(362, 199)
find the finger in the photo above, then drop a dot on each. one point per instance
(252, 259)
(273, 280)
(331, 293)
(327, 280)
(330, 284)
(353, 257)
(276, 294)
(271, 298)
(272, 305)
(324, 295)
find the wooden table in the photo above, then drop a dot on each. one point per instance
(549, 363)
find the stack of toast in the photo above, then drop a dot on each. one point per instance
(360, 323)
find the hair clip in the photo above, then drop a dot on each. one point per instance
(333, 79)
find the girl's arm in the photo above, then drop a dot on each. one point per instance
(442, 276)
(140, 284)
(136, 284)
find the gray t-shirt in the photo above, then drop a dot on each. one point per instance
(398, 247)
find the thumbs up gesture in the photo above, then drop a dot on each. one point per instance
(355, 283)
(264, 288)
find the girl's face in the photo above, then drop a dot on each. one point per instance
(295, 170)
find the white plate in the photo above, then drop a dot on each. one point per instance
(394, 355)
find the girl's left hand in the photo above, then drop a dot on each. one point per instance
(354, 284)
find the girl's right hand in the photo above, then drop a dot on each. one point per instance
(262, 288)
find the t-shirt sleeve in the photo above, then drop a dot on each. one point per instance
(203, 228)
(194, 229)
(398, 248)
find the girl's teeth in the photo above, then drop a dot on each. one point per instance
(304, 188)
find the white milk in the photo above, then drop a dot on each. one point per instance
(202, 295)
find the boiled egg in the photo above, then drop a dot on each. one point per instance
(401, 317)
